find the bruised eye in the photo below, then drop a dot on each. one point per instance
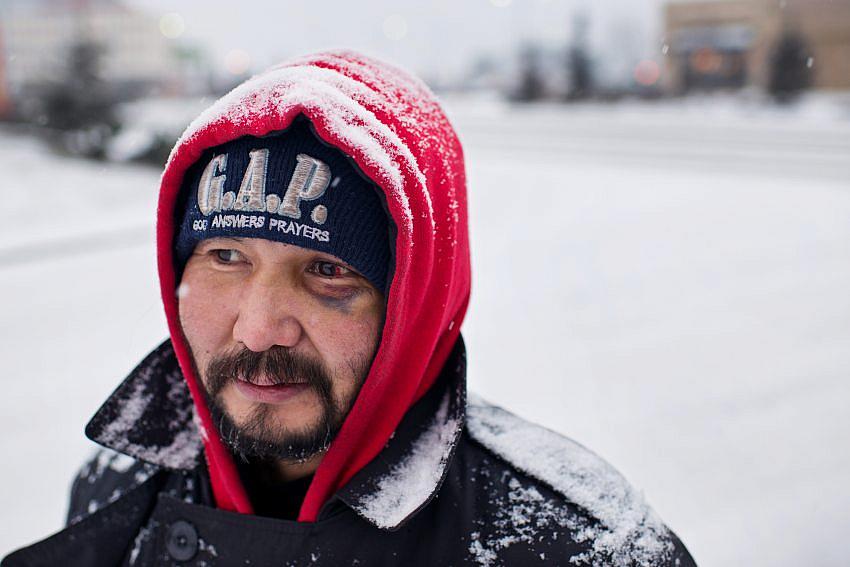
(330, 270)
(227, 256)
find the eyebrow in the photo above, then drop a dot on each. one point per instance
(237, 239)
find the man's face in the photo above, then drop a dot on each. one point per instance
(282, 339)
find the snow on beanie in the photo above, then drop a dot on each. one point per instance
(288, 187)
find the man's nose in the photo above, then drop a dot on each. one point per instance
(267, 316)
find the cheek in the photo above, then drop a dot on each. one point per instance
(206, 318)
(343, 339)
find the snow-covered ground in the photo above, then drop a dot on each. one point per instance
(666, 284)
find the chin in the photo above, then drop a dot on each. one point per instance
(278, 417)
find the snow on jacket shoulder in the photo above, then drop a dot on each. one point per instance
(451, 487)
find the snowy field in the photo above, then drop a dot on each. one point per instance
(667, 284)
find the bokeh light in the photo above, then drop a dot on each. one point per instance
(647, 73)
(171, 25)
(706, 61)
(237, 61)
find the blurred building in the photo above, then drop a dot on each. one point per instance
(5, 104)
(136, 58)
(732, 43)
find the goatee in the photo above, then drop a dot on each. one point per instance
(261, 436)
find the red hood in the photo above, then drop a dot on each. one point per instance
(392, 126)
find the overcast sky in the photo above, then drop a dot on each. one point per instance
(437, 38)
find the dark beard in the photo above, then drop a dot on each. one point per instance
(261, 437)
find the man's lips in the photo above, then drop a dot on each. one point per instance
(265, 392)
(264, 381)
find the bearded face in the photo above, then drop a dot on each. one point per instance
(282, 338)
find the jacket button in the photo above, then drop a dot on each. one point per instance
(182, 541)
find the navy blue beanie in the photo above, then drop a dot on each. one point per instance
(288, 187)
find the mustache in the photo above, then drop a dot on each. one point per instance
(276, 366)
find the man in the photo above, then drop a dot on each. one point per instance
(310, 405)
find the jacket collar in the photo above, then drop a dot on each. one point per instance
(151, 417)
(408, 472)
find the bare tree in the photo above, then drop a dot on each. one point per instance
(790, 70)
(531, 85)
(579, 67)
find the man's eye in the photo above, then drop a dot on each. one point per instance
(227, 256)
(330, 270)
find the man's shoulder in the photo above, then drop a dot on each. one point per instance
(535, 482)
(103, 479)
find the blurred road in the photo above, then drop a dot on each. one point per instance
(695, 138)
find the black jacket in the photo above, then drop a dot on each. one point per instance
(458, 484)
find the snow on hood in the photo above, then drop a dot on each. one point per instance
(393, 128)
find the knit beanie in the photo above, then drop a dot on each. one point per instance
(288, 187)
